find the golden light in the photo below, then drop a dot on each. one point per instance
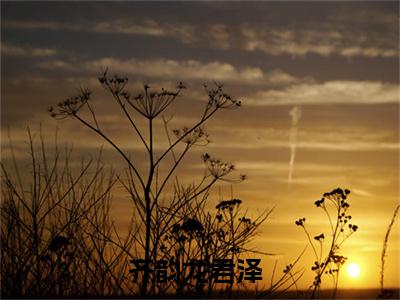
(353, 270)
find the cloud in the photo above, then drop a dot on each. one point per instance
(147, 27)
(324, 42)
(368, 52)
(14, 50)
(175, 69)
(219, 36)
(190, 69)
(337, 91)
(364, 17)
(41, 25)
(332, 38)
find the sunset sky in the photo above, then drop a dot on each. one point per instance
(336, 62)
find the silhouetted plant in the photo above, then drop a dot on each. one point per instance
(180, 216)
(385, 293)
(329, 262)
(58, 239)
(287, 279)
(197, 235)
(51, 219)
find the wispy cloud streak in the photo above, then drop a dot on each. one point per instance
(14, 50)
(329, 92)
(172, 69)
(295, 114)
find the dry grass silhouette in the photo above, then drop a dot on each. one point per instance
(384, 293)
(53, 225)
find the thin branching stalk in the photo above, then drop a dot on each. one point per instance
(384, 248)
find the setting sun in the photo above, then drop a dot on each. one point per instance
(353, 270)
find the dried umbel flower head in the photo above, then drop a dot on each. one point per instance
(148, 103)
(115, 84)
(228, 204)
(70, 106)
(337, 195)
(320, 202)
(190, 227)
(219, 99)
(300, 222)
(216, 167)
(196, 136)
(319, 237)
